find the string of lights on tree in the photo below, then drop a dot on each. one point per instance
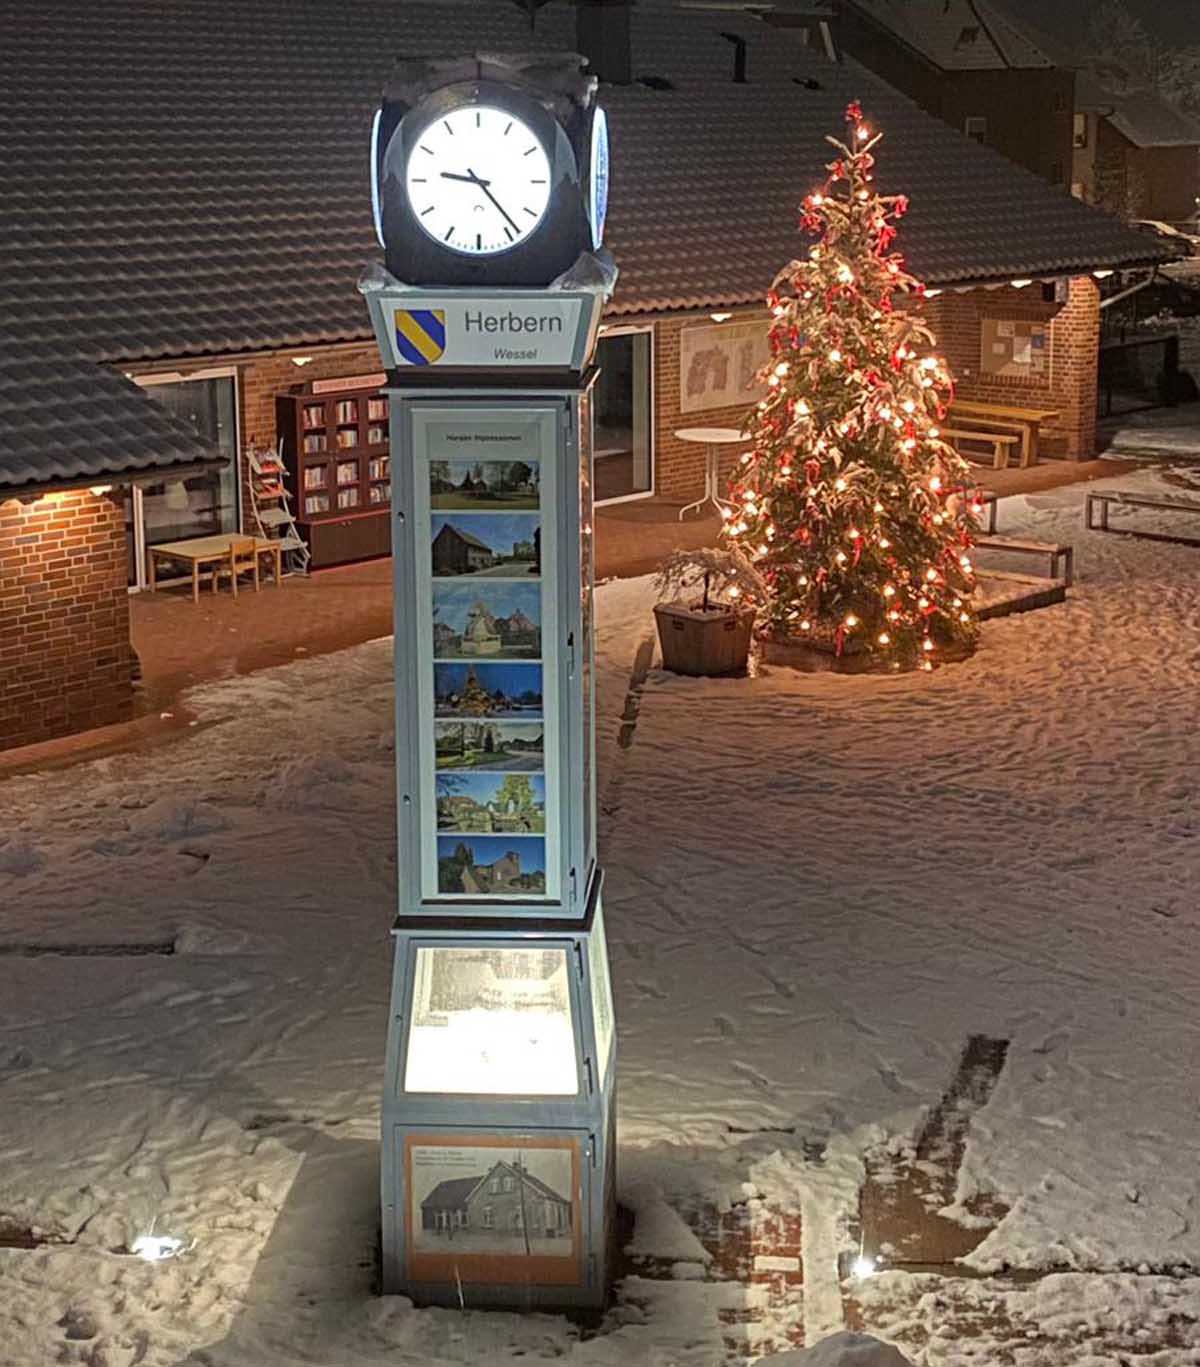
(851, 507)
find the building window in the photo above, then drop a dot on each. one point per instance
(201, 504)
(976, 127)
(624, 407)
(1079, 133)
(507, 1184)
(488, 1216)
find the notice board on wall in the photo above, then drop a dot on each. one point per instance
(718, 365)
(1014, 348)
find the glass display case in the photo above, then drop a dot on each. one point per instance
(491, 1019)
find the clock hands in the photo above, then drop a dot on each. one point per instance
(472, 179)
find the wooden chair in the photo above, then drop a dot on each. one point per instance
(243, 559)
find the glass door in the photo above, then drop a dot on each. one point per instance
(204, 502)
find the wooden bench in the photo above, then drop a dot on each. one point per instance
(1026, 422)
(1054, 552)
(1124, 499)
(1000, 442)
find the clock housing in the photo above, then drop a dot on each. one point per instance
(454, 226)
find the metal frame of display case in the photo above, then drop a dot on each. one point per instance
(445, 1240)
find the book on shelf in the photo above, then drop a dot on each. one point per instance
(381, 493)
(348, 497)
(376, 436)
(376, 410)
(316, 503)
(314, 444)
(347, 411)
(378, 468)
(347, 472)
(314, 477)
(347, 437)
(314, 415)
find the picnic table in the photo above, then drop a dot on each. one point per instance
(198, 551)
(1026, 422)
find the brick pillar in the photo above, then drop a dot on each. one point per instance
(66, 663)
(1075, 334)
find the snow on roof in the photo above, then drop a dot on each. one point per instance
(958, 35)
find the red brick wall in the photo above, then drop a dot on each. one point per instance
(66, 663)
(1069, 382)
(680, 464)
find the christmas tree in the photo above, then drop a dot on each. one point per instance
(850, 506)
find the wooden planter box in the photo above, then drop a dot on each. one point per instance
(704, 643)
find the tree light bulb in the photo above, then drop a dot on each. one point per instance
(931, 575)
(851, 620)
(927, 666)
(922, 603)
(889, 591)
(839, 484)
(806, 625)
(802, 408)
(835, 355)
(926, 644)
(883, 638)
(935, 484)
(909, 406)
(781, 368)
(965, 563)
(928, 363)
(734, 591)
(863, 133)
(884, 543)
(878, 508)
(840, 557)
(845, 275)
(854, 533)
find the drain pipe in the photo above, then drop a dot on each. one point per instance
(1133, 289)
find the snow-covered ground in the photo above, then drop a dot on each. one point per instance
(817, 888)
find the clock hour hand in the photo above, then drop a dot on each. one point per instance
(470, 180)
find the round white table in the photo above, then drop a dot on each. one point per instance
(712, 438)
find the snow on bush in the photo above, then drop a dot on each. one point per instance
(175, 818)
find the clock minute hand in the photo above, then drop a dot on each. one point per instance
(483, 185)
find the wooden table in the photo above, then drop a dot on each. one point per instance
(712, 439)
(210, 550)
(1025, 421)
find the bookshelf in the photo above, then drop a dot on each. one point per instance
(335, 447)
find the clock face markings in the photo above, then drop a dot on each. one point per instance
(479, 178)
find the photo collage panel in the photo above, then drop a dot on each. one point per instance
(486, 643)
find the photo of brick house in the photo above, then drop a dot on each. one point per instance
(138, 367)
(503, 1210)
(486, 545)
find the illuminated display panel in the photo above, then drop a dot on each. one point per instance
(493, 1021)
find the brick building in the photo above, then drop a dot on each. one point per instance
(1135, 155)
(175, 260)
(966, 62)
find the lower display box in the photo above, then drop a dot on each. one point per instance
(494, 1208)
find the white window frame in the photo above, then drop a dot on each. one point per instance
(627, 330)
(149, 381)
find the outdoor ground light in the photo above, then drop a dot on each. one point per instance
(155, 1248)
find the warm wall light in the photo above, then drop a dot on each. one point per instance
(1020, 284)
(1102, 275)
(301, 360)
(100, 490)
(932, 294)
(720, 317)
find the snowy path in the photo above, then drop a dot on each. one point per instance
(818, 888)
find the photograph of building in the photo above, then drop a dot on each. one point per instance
(511, 1205)
(495, 545)
(492, 865)
(487, 690)
(483, 803)
(500, 484)
(499, 620)
(489, 745)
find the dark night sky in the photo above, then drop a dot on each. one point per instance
(1170, 21)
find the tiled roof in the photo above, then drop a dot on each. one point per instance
(192, 179)
(958, 35)
(74, 421)
(1143, 116)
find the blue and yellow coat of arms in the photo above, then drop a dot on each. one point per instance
(420, 335)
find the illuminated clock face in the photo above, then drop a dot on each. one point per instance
(478, 180)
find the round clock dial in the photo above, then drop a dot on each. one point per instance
(478, 180)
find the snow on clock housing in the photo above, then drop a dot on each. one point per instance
(488, 173)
